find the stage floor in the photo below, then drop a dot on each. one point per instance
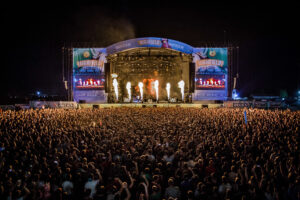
(149, 105)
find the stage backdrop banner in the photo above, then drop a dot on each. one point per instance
(150, 42)
(211, 73)
(89, 74)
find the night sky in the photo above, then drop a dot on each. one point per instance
(267, 36)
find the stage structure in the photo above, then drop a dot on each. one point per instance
(148, 70)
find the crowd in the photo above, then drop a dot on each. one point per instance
(149, 154)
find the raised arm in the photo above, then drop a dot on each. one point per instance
(246, 174)
(146, 180)
(109, 156)
(241, 175)
(146, 191)
(136, 167)
(124, 185)
(121, 188)
(131, 180)
(99, 175)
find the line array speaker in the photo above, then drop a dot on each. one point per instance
(107, 77)
(192, 78)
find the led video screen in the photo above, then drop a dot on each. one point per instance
(211, 73)
(88, 74)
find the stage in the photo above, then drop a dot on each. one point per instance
(195, 104)
(148, 68)
(150, 105)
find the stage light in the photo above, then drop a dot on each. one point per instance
(114, 75)
(38, 93)
(66, 85)
(235, 95)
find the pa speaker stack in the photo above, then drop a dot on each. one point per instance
(192, 78)
(107, 77)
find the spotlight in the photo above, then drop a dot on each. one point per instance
(235, 95)
(114, 75)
